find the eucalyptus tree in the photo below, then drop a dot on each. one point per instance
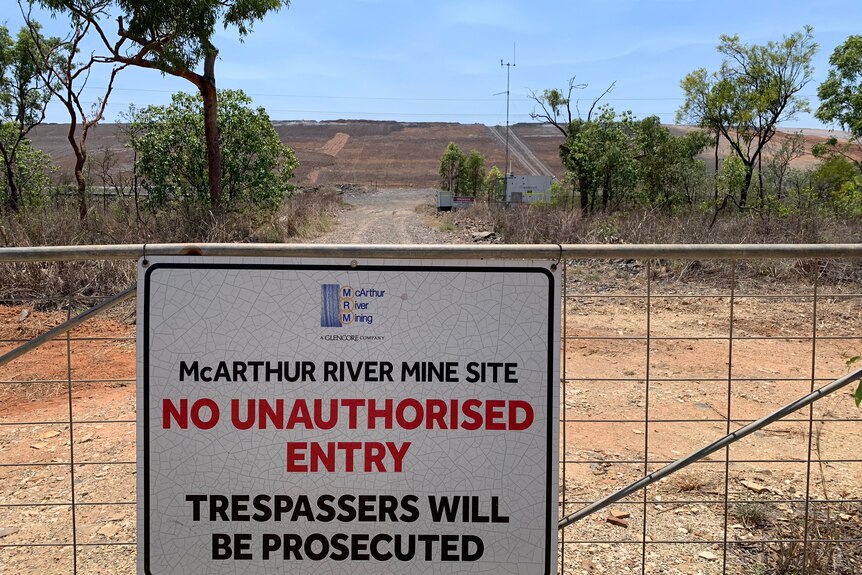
(494, 185)
(452, 169)
(174, 37)
(474, 172)
(755, 88)
(598, 149)
(670, 172)
(23, 98)
(841, 97)
(65, 68)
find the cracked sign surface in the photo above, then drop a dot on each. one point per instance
(332, 417)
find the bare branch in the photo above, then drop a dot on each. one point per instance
(596, 101)
(545, 115)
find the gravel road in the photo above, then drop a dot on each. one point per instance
(387, 216)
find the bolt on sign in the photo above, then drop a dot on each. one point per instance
(347, 417)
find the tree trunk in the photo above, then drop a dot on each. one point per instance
(780, 189)
(81, 187)
(606, 191)
(760, 181)
(715, 175)
(585, 197)
(605, 197)
(210, 98)
(80, 161)
(14, 194)
(746, 184)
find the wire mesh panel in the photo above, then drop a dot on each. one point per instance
(659, 358)
(67, 434)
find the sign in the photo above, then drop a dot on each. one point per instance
(343, 417)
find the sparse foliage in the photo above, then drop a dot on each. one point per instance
(452, 169)
(791, 147)
(494, 184)
(65, 70)
(756, 88)
(841, 94)
(857, 395)
(23, 98)
(474, 173)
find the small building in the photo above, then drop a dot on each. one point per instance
(528, 189)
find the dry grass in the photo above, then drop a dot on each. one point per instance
(308, 215)
(753, 514)
(832, 546)
(687, 482)
(552, 224)
(302, 216)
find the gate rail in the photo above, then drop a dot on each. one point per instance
(448, 251)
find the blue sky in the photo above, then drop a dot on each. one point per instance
(440, 61)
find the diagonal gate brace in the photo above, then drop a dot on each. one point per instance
(711, 448)
(67, 325)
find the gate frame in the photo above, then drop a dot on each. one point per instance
(553, 252)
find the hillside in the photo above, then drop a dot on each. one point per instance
(371, 153)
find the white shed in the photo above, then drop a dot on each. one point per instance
(528, 189)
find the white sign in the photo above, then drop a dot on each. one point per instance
(342, 417)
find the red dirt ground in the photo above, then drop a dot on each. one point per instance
(103, 357)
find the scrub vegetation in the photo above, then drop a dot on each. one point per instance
(625, 179)
(630, 180)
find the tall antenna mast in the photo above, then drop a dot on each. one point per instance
(509, 66)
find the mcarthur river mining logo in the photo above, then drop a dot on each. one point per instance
(342, 306)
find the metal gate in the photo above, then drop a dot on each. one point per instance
(666, 350)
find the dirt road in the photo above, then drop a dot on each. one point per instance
(390, 216)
